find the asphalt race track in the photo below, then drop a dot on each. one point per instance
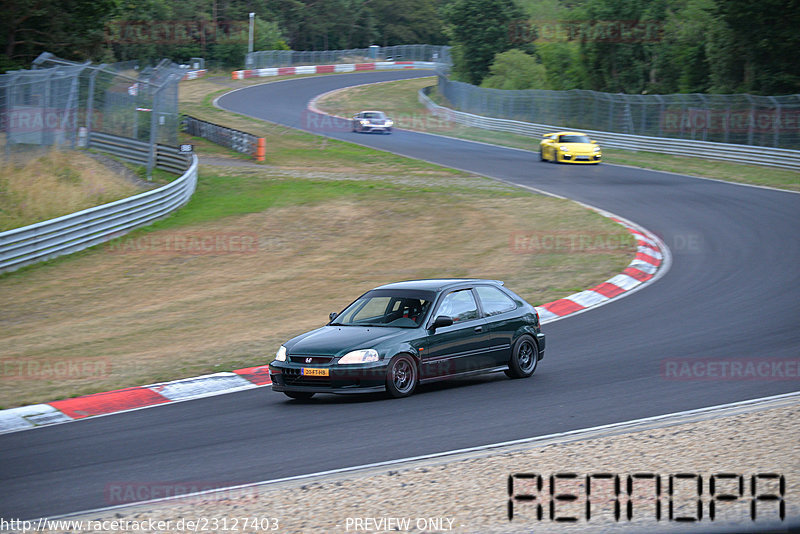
(731, 293)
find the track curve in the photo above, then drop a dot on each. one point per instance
(731, 293)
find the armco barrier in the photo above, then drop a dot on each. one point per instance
(138, 152)
(321, 69)
(754, 155)
(237, 140)
(77, 231)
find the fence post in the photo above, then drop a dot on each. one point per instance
(776, 121)
(151, 154)
(90, 103)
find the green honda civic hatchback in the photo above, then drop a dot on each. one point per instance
(399, 335)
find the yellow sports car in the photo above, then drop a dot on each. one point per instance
(569, 147)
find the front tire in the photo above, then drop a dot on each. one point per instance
(541, 155)
(401, 376)
(524, 358)
(299, 395)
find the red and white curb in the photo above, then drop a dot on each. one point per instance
(325, 69)
(649, 263)
(123, 400)
(194, 74)
(652, 260)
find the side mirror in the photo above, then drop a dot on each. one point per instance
(333, 315)
(441, 321)
(593, 142)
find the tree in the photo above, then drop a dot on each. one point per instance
(407, 22)
(618, 46)
(230, 50)
(478, 30)
(768, 39)
(515, 69)
(72, 29)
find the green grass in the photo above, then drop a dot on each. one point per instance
(218, 196)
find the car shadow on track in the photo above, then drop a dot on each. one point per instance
(423, 389)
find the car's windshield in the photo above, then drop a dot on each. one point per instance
(374, 115)
(574, 139)
(387, 307)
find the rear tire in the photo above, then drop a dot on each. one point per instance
(524, 358)
(401, 376)
(299, 395)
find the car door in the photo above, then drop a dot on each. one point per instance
(460, 347)
(502, 321)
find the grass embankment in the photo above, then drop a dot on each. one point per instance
(399, 100)
(265, 252)
(37, 187)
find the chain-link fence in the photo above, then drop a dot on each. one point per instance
(291, 58)
(772, 121)
(50, 104)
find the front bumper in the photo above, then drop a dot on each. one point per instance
(372, 127)
(596, 157)
(341, 379)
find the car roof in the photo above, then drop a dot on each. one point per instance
(568, 133)
(370, 111)
(437, 284)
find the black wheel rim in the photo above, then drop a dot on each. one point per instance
(403, 376)
(526, 357)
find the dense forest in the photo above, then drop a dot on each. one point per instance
(629, 46)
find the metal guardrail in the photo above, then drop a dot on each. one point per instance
(237, 140)
(291, 58)
(89, 227)
(754, 155)
(138, 152)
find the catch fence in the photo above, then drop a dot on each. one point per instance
(291, 58)
(769, 121)
(58, 100)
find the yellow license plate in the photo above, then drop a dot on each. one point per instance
(314, 371)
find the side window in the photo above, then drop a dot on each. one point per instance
(460, 305)
(494, 301)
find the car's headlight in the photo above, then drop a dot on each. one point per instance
(389, 122)
(564, 148)
(364, 121)
(280, 356)
(360, 356)
(597, 149)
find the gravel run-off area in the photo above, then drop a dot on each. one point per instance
(469, 491)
